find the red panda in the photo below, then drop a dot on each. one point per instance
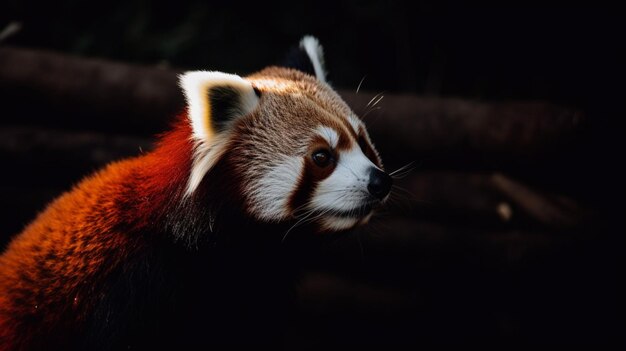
(181, 246)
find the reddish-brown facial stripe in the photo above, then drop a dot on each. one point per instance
(311, 174)
(347, 136)
(305, 187)
(344, 142)
(345, 131)
(368, 150)
(348, 127)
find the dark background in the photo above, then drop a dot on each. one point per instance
(435, 269)
(565, 54)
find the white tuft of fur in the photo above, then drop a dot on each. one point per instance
(269, 197)
(206, 155)
(315, 52)
(329, 134)
(196, 86)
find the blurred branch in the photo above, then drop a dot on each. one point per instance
(137, 99)
(60, 155)
(562, 213)
(483, 199)
(115, 98)
(10, 30)
(88, 93)
(417, 124)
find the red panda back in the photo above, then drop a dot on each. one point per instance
(51, 274)
(55, 264)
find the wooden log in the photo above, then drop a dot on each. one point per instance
(40, 156)
(486, 200)
(62, 91)
(554, 211)
(463, 197)
(481, 199)
(52, 89)
(444, 126)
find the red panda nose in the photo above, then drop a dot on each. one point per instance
(380, 183)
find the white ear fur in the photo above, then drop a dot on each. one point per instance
(197, 87)
(315, 52)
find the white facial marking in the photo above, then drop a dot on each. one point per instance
(269, 197)
(355, 122)
(329, 134)
(205, 157)
(346, 188)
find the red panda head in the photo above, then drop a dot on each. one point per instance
(299, 151)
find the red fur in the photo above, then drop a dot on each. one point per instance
(50, 273)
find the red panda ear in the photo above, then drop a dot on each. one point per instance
(214, 101)
(307, 57)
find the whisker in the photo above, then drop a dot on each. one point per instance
(372, 100)
(300, 208)
(403, 168)
(331, 191)
(361, 82)
(306, 218)
(378, 100)
(370, 111)
(296, 224)
(403, 190)
(402, 172)
(319, 215)
(401, 175)
(346, 195)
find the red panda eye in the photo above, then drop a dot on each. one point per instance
(321, 157)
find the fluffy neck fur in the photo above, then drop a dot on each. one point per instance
(139, 265)
(204, 266)
(212, 214)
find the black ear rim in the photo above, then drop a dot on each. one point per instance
(307, 57)
(297, 58)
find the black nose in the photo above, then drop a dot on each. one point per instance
(380, 183)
